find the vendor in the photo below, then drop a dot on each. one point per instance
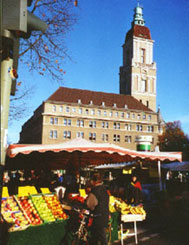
(135, 191)
(98, 203)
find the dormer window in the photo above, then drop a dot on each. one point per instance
(79, 101)
(114, 105)
(91, 102)
(125, 106)
(103, 103)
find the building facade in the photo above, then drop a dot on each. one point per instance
(127, 119)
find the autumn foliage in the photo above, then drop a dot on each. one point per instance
(173, 138)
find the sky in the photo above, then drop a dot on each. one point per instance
(95, 46)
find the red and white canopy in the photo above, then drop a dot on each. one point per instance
(78, 151)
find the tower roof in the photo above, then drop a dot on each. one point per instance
(138, 25)
(138, 31)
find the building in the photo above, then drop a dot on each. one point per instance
(128, 119)
(138, 73)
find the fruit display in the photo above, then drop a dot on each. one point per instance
(12, 214)
(42, 208)
(54, 205)
(117, 204)
(29, 209)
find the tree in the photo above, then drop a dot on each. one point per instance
(18, 103)
(45, 52)
(173, 138)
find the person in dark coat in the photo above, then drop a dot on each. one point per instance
(135, 191)
(98, 202)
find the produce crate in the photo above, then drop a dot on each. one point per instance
(13, 214)
(42, 208)
(29, 210)
(55, 206)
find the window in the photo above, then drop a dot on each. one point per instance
(105, 113)
(116, 138)
(105, 137)
(144, 116)
(142, 53)
(80, 135)
(105, 124)
(92, 124)
(116, 114)
(80, 123)
(143, 86)
(53, 108)
(122, 114)
(138, 116)
(149, 117)
(150, 128)
(67, 134)
(67, 109)
(73, 109)
(92, 136)
(61, 108)
(51, 120)
(139, 127)
(93, 112)
(80, 111)
(111, 114)
(133, 116)
(128, 115)
(67, 122)
(86, 111)
(128, 127)
(55, 120)
(53, 134)
(128, 139)
(116, 125)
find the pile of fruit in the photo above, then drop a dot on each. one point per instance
(12, 214)
(117, 204)
(55, 207)
(28, 208)
(42, 208)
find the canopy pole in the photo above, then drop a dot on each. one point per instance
(159, 174)
(79, 168)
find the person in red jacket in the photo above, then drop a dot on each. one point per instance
(135, 191)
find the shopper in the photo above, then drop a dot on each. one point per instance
(135, 191)
(98, 202)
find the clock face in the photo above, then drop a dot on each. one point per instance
(143, 73)
(143, 70)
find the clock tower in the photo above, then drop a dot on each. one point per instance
(138, 73)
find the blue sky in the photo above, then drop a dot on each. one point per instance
(95, 46)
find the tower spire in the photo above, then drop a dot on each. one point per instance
(138, 15)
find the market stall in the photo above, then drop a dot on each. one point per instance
(76, 154)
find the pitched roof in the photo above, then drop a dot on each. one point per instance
(72, 95)
(138, 31)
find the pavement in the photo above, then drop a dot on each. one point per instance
(166, 223)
